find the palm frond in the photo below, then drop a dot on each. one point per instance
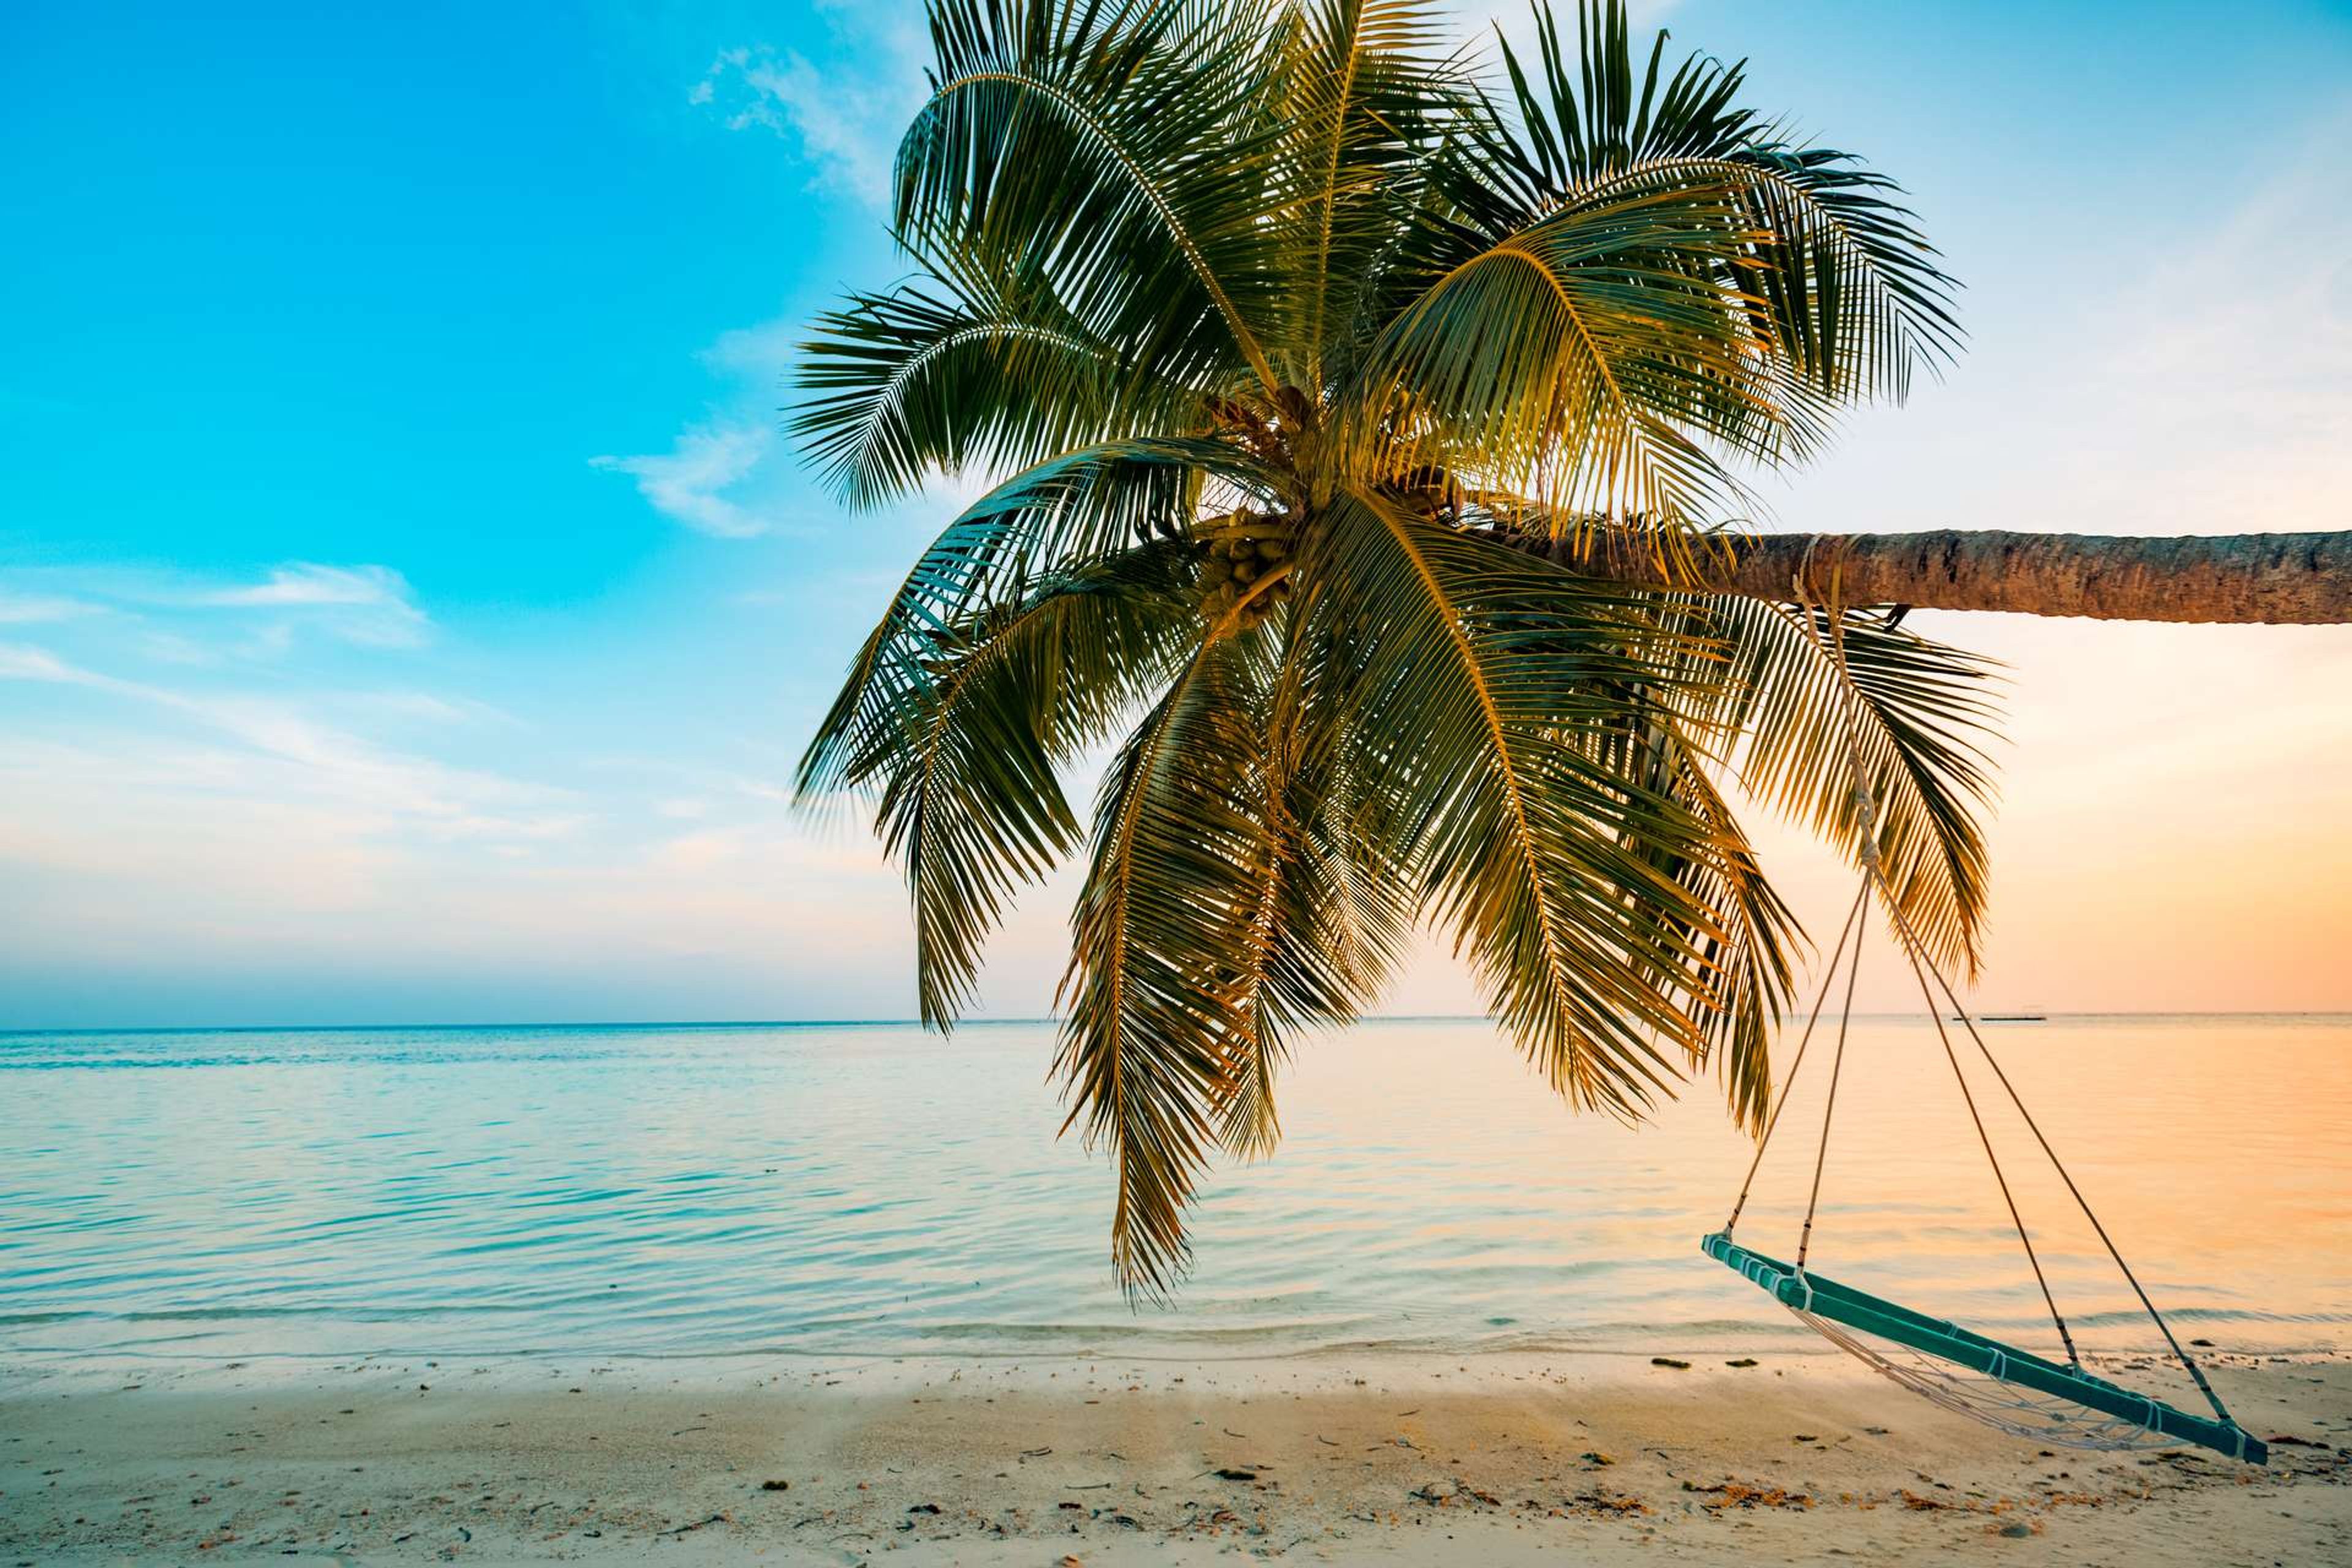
(1300, 338)
(1328, 922)
(901, 387)
(1366, 95)
(1919, 713)
(1079, 505)
(1835, 272)
(1588, 361)
(1484, 669)
(971, 803)
(1751, 968)
(1638, 281)
(1736, 992)
(1114, 152)
(1151, 1021)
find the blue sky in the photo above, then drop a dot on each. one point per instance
(409, 609)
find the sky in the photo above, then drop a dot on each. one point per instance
(411, 611)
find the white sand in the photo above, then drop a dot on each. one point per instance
(1594, 1458)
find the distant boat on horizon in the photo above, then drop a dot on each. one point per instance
(2005, 1019)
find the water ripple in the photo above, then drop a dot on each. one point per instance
(874, 1190)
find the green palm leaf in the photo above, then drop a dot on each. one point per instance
(1834, 273)
(1329, 917)
(1485, 667)
(1112, 152)
(902, 386)
(1582, 359)
(1365, 94)
(1152, 1019)
(1299, 341)
(1750, 965)
(971, 802)
(1080, 505)
(1918, 713)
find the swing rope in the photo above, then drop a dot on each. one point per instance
(2061, 1397)
(1797, 1064)
(1829, 1111)
(1874, 868)
(1922, 961)
(2196, 1372)
(1983, 1138)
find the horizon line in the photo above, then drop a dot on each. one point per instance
(909, 1023)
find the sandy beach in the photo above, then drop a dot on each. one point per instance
(1332, 1458)
(1091, 784)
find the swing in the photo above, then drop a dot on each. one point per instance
(2010, 1389)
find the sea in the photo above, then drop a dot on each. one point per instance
(876, 1191)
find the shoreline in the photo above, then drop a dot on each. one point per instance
(1329, 1458)
(1057, 1348)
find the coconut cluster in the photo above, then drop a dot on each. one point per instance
(1235, 557)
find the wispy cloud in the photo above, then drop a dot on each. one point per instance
(428, 708)
(2198, 388)
(689, 482)
(762, 352)
(305, 584)
(842, 100)
(20, 662)
(350, 769)
(2229, 357)
(844, 115)
(19, 610)
(370, 604)
(840, 129)
(154, 829)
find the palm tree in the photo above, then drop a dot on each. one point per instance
(1370, 425)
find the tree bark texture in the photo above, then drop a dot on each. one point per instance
(2299, 579)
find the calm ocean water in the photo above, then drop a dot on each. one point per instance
(874, 1190)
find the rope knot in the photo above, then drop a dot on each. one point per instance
(1865, 813)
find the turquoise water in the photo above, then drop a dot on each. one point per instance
(872, 1190)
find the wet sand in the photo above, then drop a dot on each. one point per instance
(1600, 1458)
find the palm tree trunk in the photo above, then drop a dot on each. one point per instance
(2278, 578)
